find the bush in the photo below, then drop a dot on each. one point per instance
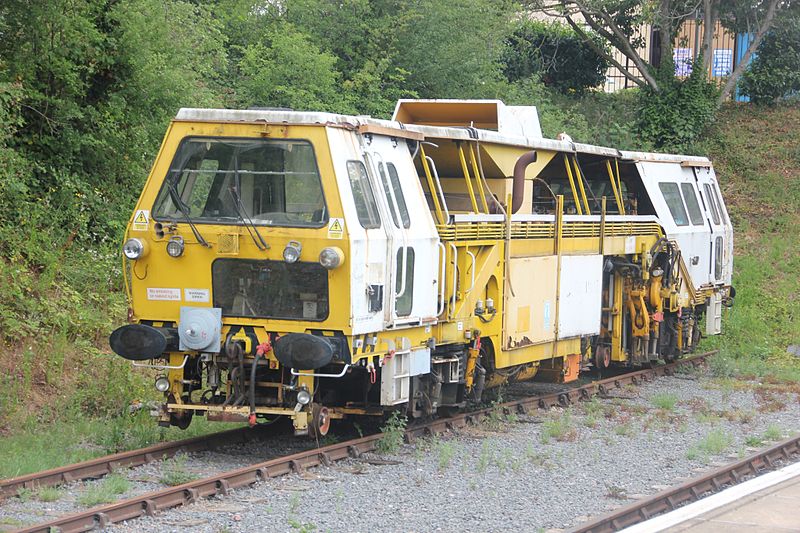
(555, 53)
(674, 117)
(775, 72)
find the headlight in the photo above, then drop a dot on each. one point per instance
(292, 252)
(175, 246)
(162, 384)
(134, 249)
(331, 258)
(303, 397)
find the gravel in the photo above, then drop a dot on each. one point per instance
(543, 471)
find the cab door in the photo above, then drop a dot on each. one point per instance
(721, 241)
(411, 236)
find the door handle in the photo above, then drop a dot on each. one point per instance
(695, 259)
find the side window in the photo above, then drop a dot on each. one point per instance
(718, 258)
(363, 196)
(691, 204)
(405, 300)
(712, 203)
(719, 204)
(673, 198)
(398, 195)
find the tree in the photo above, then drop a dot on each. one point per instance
(618, 22)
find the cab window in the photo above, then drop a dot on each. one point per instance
(230, 181)
(673, 198)
(691, 203)
(364, 198)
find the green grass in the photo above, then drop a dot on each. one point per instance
(393, 433)
(60, 443)
(664, 400)
(561, 428)
(714, 443)
(174, 472)
(756, 157)
(49, 494)
(773, 433)
(106, 491)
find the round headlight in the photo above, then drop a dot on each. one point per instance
(162, 384)
(175, 246)
(291, 253)
(331, 257)
(134, 248)
(303, 397)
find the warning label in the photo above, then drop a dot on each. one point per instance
(336, 228)
(141, 220)
(158, 293)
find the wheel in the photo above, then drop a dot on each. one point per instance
(320, 421)
(602, 357)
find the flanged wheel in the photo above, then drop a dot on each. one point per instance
(602, 357)
(320, 421)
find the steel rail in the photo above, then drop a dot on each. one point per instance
(100, 466)
(151, 503)
(692, 490)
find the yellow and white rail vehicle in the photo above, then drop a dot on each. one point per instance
(317, 266)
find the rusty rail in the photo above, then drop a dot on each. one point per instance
(692, 490)
(100, 466)
(150, 503)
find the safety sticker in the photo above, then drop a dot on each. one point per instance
(169, 295)
(196, 295)
(336, 228)
(141, 220)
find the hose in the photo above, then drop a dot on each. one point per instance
(253, 383)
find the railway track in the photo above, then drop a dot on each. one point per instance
(150, 503)
(693, 490)
(101, 466)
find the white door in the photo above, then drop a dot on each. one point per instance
(412, 256)
(721, 243)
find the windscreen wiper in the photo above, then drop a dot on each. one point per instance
(184, 209)
(258, 240)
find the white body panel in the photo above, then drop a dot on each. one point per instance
(368, 247)
(694, 236)
(580, 295)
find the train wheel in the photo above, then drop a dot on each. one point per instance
(602, 357)
(181, 422)
(320, 421)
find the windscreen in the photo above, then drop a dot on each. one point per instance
(228, 181)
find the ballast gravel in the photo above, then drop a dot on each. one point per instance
(548, 470)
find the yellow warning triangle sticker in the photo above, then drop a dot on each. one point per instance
(336, 226)
(140, 218)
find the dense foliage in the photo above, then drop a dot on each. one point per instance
(673, 118)
(554, 52)
(775, 72)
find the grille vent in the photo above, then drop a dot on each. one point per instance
(228, 244)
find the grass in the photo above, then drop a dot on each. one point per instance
(61, 443)
(174, 471)
(394, 431)
(445, 451)
(561, 428)
(664, 400)
(106, 491)
(49, 494)
(756, 160)
(714, 443)
(773, 433)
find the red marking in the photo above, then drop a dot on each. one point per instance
(659, 316)
(252, 420)
(264, 347)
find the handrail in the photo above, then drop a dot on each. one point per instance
(439, 187)
(313, 374)
(442, 278)
(431, 187)
(451, 307)
(474, 265)
(467, 178)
